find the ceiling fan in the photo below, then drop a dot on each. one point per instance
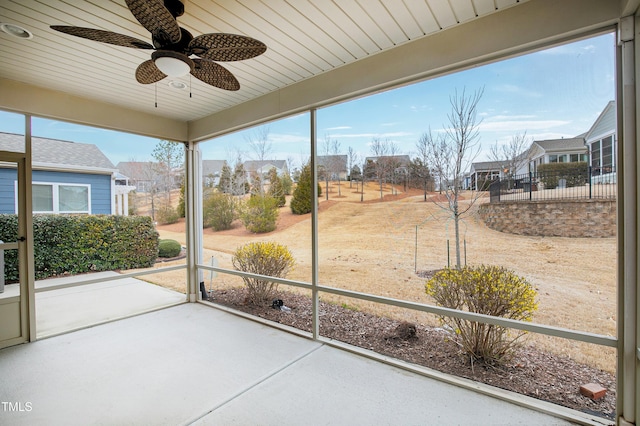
(174, 46)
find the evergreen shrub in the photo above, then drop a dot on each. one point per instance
(74, 244)
(260, 214)
(169, 248)
(220, 210)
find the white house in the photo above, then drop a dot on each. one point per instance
(566, 150)
(601, 141)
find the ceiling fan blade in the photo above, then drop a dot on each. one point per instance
(147, 73)
(157, 19)
(103, 36)
(226, 47)
(215, 75)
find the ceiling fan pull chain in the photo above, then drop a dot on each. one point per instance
(156, 87)
(190, 86)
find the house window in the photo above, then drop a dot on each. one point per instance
(553, 158)
(42, 198)
(595, 155)
(602, 155)
(60, 198)
(607, 152)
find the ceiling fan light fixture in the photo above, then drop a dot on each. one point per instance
(173, 64)
(15, 30)
(178, 85)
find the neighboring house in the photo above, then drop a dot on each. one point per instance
(399, 163)
(142, 174)
(263, 167)
(211, 170)
(482, 173)
(601, 141)
(67, 177)
(567, 150)
(336, 165)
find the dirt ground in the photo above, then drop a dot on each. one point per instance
(381, 248)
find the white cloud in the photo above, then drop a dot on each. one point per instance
(513, 89)
(284, 138)
(373, 135)
(520, 125)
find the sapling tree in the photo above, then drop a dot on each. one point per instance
(513, 155)
(170, 157)
(451, 153)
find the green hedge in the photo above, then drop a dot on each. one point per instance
(575, 174)
(169, 248)
(72, 244)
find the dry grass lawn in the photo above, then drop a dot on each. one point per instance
(371, 247)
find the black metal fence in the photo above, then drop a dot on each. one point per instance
(552, 185)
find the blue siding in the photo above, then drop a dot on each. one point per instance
(100, 188)
(7, 190)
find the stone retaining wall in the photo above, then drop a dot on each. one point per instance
(555, 218)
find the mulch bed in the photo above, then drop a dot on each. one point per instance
(537, 374)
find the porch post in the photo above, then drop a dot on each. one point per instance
(315, 305)
(627, 404)
(193, 218)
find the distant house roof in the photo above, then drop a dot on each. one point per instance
(136, 169)
(486, 166)
(57, 154)
(253, 165)
(337, 161)
(403, 160)
(562, 145)
(604, 125)
(212, 167)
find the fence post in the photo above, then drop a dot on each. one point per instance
(530, 186)
(590, 180)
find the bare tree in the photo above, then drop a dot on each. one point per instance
(352, 160)
(261, 147)
(259, 143)
(331, 149)
(392, 164)
(512, 156)
(420, 167)
(452, 152)
(170, 158)
(380, 149)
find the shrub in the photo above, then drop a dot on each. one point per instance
(574, 174)
(260, 214)
(276, 189)
(74, 244)
(263, 258)
(181, 208)
(220, 210)
(489, 290)
(302, 195)
(169, 248)
(166, 215)
(287, 183)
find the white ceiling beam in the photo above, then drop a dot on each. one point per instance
(24, 98)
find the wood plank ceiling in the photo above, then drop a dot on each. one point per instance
(304, 38)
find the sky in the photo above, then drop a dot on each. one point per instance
(554, 93)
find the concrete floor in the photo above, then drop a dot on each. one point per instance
(193, 364)
(72, 308)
